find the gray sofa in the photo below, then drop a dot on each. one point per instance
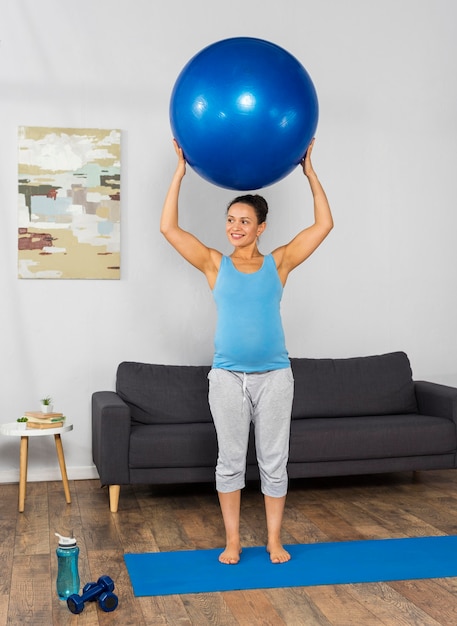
(350, 416)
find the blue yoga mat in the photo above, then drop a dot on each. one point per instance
(199, 571)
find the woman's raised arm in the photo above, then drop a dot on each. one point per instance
(288, 257)
(192, 249)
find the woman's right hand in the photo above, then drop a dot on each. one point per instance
(181, 167)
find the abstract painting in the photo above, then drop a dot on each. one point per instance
(69, 203)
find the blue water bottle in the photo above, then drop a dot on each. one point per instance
(67, 567)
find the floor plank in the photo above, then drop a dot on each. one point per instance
(340, 607)
(252, 607)
(431, 597)
(391, 607)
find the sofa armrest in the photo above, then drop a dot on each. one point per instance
(436, 399)
(111, 423)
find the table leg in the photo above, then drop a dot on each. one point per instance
(23, 459)
(63, 469)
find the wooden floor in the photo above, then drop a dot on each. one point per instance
(176, 518)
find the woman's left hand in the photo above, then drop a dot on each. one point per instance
(306, 161)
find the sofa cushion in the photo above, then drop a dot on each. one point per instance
(370, 437)
(171, 445)
(164, 394)
(372, 385)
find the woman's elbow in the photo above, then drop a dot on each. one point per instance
(165, 229)
(327, 227)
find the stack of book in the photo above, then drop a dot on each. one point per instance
(37, 419)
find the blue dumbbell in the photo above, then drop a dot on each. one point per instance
(102, 591)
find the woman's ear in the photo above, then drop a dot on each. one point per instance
(261, 228)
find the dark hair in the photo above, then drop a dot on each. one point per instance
(258, 203)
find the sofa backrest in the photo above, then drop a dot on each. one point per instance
(372, 385)
(164, 394)
(178, 394)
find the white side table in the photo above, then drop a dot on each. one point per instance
(16, 429)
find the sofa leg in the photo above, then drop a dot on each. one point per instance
(114, 492)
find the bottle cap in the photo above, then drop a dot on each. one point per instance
(66, 542)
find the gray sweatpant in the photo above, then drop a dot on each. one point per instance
(265, 399)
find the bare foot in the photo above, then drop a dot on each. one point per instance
(231, 554)
(277, 553)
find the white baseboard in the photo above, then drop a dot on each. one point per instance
(45, 474)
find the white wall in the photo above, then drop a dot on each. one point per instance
(385, 279)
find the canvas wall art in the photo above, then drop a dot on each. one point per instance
(69, 203)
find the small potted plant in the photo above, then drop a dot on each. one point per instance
(46, 405)
(22, 422)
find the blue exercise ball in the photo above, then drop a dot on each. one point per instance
(244, 111)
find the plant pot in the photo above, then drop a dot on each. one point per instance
(47, 408)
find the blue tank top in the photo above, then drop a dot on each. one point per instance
(249, 334)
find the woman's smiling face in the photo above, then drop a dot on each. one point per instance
(242, 227)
